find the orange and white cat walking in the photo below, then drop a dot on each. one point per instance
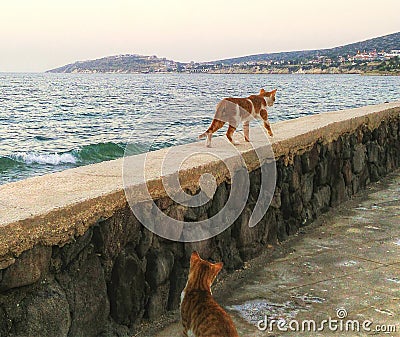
(201, 315)
(234, 110)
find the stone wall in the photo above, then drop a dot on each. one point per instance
(117, 273)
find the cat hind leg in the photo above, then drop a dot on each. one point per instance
(229, 134)
(208, 143)
(246, 131)
(215, 125)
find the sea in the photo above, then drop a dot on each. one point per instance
(52, 122)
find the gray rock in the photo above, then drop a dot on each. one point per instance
(178, 281)
(159, 266)
(322, 172)
(44, 312)
(70, 251)
(321, 199)
(85, 287)
(297, 204)
(128, 289)
(347, 172)
(373, 151)
(276, 201)
(338, 194)
(358, 159)
(5, 323)
(145, 242)
(111, 235)
(294, 182)
(27, 269)
(374, 172)
(307, 187)
(219, 199)
(309, 159)
(286, 207)
(158, 301)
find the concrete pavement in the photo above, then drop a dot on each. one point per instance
(346, 266)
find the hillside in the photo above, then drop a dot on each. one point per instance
(387, 42)
(276, 62)
(120, 64)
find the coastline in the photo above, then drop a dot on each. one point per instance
(285, 71)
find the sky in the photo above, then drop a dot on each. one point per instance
(38, 35)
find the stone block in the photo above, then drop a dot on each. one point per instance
(159, 266)
(321, 175)
(219, 199)
(112, 235)
(42, 312)
(27, 269)
(128, 289)
(358, 159)
(294, 180)
(309, 160)
(297, 204)
(85, 287)
(158, 301)
(307, 187)
(178, 281)
(70, 251)
(321, 199)
(373, 151)
(347, 172)
(286, 207)
(338, 194)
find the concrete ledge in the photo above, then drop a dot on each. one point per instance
(55, 208)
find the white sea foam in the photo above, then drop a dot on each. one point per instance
(45, 159)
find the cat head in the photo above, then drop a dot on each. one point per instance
(202, 273)
(269, 96)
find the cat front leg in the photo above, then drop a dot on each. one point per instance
(264, 116)
(246, 131)
(268, 127)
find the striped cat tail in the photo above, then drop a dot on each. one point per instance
(203, 135)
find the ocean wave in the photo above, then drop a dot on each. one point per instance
(95, 153)
(85, 155)
(43, 159)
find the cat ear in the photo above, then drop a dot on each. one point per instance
(217, 267)
(194, 257)
(262, 92)
(273, 91)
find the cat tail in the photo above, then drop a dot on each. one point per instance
(211, 130)
(216, 123)
(203, 135)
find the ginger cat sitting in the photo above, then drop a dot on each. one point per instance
(201, 315)
(234, 110)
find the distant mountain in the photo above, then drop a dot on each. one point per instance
(121, 64)
(387, 43)
(143, 64)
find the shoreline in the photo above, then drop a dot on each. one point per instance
(283, 72)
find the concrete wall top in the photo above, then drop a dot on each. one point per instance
(54, 208)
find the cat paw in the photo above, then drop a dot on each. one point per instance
(247, 140)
